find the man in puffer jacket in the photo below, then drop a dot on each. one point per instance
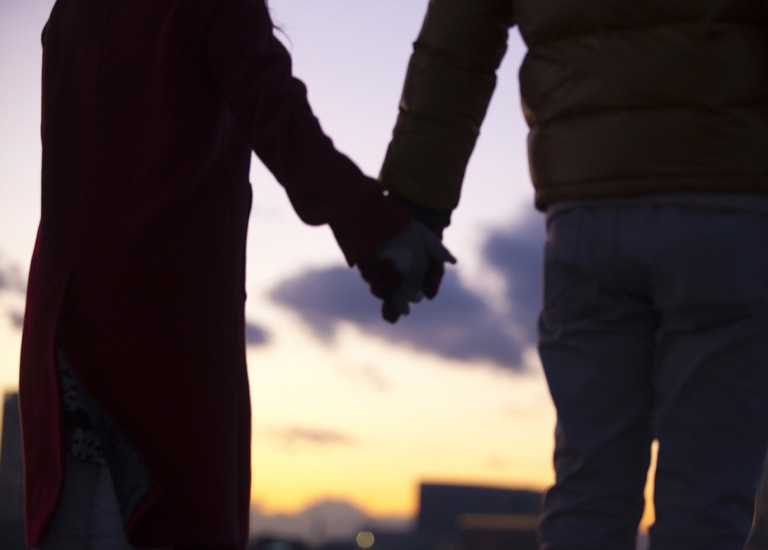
(648, 152)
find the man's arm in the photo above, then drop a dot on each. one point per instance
(450, 80)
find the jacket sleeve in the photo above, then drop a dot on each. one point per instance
(254, 71)
(449, 83)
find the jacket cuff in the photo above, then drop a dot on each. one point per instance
(436, 220)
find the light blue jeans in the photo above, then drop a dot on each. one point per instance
(655, 327)
(88, 515)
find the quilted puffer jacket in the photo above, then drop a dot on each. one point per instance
(622, 98)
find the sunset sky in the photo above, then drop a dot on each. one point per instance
(344, 406)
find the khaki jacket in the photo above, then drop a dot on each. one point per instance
(622, 98)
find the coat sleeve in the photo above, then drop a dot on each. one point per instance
(449, 83)
(254, 71)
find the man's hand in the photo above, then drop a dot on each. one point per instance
(405, 269)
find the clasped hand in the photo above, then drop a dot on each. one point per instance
(406, 269)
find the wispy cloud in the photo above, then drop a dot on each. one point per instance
(460, 324)
(368, 377)
(292, 436)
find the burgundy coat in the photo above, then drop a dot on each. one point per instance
(151, 109)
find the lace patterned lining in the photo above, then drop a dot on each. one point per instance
(93, 436)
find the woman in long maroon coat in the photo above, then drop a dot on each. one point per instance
(151, 109)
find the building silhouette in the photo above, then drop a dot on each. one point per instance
(269, 543)
(467, 517)
(499, 531)
(11, 484)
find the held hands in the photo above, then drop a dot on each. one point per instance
(405, 269)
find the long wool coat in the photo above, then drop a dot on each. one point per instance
(151, 109)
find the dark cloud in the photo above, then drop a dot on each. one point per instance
(12, 282)
(316, 437)
(323, 297)
(255, 335)
(16, 318)
(516, 254)
(459, 324)
(11, 279)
